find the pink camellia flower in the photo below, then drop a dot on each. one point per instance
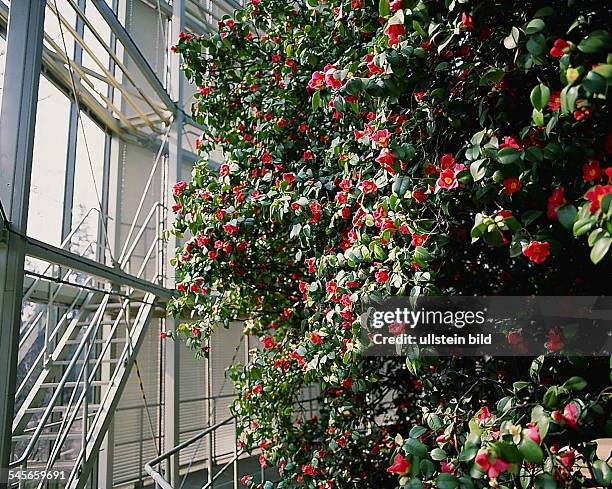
(368, 186)
(381, 275)
(395, 5)
(591, 171)
(483, 415)
(447, 161)
(447, 180)
(537, 251)
(533, 433)
(510, 142)
(330, 78)
(381, 137)
(467, 22)
(245, 479)
(393, 32)
(397, 328)
(400, 465)
(317, 80)
(560, 46)
(491, 465)
(570, 414)
(446, 468)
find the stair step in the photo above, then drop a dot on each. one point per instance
(95, 383)
(91, 361)
(97, 342)
(46, 436)
(59, 409)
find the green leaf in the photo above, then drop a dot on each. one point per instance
(415, 447)
(447, 481)
(601, 247)
(575, 383)
(529, 216)
(507, 452)
(477, 169)
(550, 397)
(567, 216)
(413, 484)
(604, 70)
(427, 468)
(534, 26)
(417, 431)
(468, 454)
(512, 39)
(596, 41)
(508, 155)
(539, 96)
(316, 100)
(438, 454)
(602, 473)
(594, 82)
(583, 226)
(531, 451)
(383, 8)
(568, 99)
(545, 481)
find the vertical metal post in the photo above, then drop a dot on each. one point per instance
(73, 129)
(173, 174)
(235, 467)
(18, 116)
(210, 411)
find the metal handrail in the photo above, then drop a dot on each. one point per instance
(158, 478)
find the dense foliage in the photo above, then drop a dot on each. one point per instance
(401, 148)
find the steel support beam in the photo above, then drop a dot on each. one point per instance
(173, 174)
(73, 128)
(130, 48)
(18, 118)
(53, 254)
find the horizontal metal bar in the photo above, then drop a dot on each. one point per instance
(53, 254)
(186, 443)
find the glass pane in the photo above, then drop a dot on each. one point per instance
(49, 164)
(87, 186)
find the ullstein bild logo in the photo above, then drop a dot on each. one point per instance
(475, 326)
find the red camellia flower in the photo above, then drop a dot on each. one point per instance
(289, 178)
(400, 465)
(447, 161)
(368, 186)
(418, 239)
(596, 195)
(381, 275)
(591, 171)
(330, 78)
(556, 200)
(467, 22)
(490, 464)
(317, 80)
(386, 159)
(309, 470)
(419, 196)
(447, 180)
(559, 48)
(316, 338)
(537, 251)
(511, 185)
(308, 155)
(393, 32)
(554, 103)
(245, 479)
(178, 188)
(569, 416)
(276, 58)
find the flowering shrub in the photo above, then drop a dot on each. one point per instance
(401, 148)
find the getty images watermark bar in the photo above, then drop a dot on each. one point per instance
(497, 325)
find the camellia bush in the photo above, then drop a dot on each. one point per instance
(401, 148)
